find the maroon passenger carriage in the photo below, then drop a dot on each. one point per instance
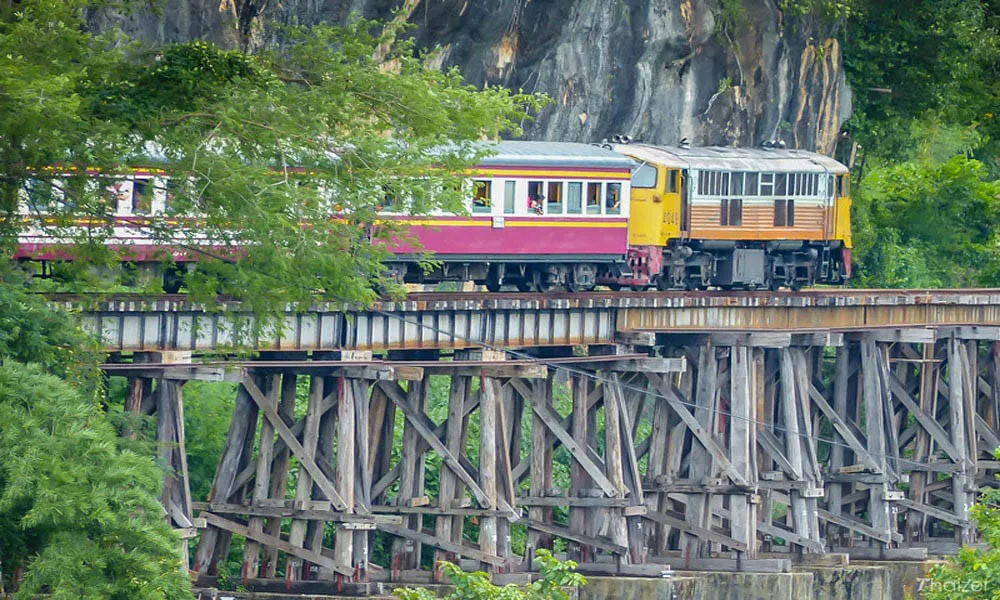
(540, 215)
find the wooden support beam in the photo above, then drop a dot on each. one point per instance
(563, 532)
(682, 524)
(269, 540)
(442, 544)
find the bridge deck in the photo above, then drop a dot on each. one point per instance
(461, 320)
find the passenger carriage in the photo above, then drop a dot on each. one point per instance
(540, 215)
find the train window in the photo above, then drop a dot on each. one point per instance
(391, 202)
(731, 214)
(574, 198)
(702, 178)
(767, 184)
(142, 197)
(672, 181)
(780, 184)
(724, 187)
(509, 190)
(784, 213)
(554, 206)
(613, 200)
(593, 198)
(736, 183)
(536, 197)
(750, 188)
(481, 196)
(39, 192)
(644, 177)
(843, 186)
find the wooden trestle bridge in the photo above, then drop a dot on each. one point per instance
(736, 431)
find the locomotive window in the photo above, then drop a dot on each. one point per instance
(672, 180)
(509, 191)
(481, 196)
(613, 201)
(784, 213)
(554, 206)
(829, 186)
(702, 177)
(724, 176)
(793, 184)
(750, 189)
(737, 184)
(731, 214)
(142, 197)
(574, 198)
(766, 184)
(843, 186)
(644, 177)
(593, 198)
(780, 184)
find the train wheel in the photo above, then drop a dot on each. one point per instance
(526, 285)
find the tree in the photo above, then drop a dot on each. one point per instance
(974, 573)
(262, 148)
(928, 224)
(556, 576)
(79, 513)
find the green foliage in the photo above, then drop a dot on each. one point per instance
(922, 223)
(974, 573)
(80, 513)
(930, 61)
(556, 576)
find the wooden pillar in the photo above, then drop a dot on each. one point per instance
(700, 465)
(659, 437)
(343, 549)
(743, 512)
(488, 407)
(507, 455)
(614, 457)
(170, 437)
(406, 553)
(878, 508)
(262, 481)
(447, 527)
(540, 471)
(579, 479)
(303, 489)
(362, 475)
(961, 480)
(793, 444)
(239, 443)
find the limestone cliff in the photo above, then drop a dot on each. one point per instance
(725, 72)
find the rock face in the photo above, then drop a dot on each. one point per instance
(717, 72)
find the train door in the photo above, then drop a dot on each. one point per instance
(685, 201)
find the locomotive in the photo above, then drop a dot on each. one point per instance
(560, 215)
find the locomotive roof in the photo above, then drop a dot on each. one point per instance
(554, 154)
(733, 159)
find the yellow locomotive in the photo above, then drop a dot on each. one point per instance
(736, 218)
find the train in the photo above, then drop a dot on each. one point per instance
(541, 216)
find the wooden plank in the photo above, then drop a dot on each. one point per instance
(613, 457)
(262, 481)
(488, 407)
(269, 540)
(791, 536)
(343, 543)
(930, 425)
(425, 427)
(305, 459)
(843, 429)
(279, 470)
(933, 511)
(855, 525)
(742, 444)
(437, 542)
(673, 395)
(552, 422)
(597, 542)
(677, 522)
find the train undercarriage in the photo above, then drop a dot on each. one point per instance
(700, 265)
(693, 266)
